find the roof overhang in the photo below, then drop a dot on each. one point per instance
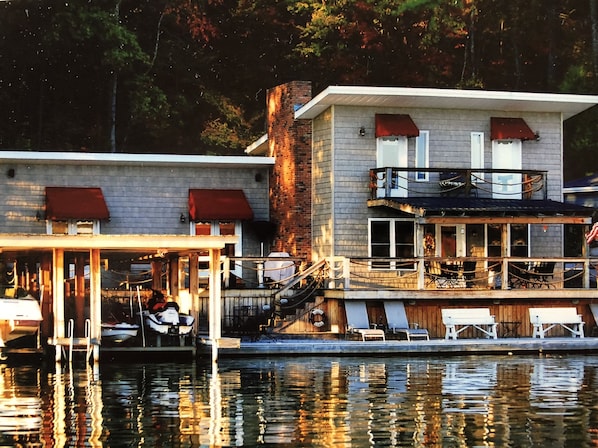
(258, 147)
(140, 160)
(137, 243)
(482, 210)
(404, 97)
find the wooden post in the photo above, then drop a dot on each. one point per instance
(215, 311)
(79, 295)
(95, 301)
(58, 295)
(194, 289)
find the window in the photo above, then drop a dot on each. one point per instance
(73, 227)
(391, 238)
(519, 240)
(422, 156)
(506, 154)
(392, 153)
(477, 156)
(219, 228)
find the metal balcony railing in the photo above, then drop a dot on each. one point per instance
(392, 182)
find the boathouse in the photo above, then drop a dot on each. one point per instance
(78, 230)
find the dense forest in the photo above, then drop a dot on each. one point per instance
(190, 76)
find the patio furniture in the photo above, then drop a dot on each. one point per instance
(358, 321)
(469, 268)
(396, 317)
(544, 319)
(464, 318)
(543, 274)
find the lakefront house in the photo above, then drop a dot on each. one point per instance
(381, 196)
(431, 197)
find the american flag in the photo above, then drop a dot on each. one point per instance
(592, 235)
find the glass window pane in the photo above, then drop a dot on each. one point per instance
(227, 228)
(60, 227)
(203, 229)
(380, 232)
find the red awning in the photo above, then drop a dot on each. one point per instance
(509, 128)
(208, 205)
(81, 203)
(395, 125)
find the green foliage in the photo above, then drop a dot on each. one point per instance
(192, 74)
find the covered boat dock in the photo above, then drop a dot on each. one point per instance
(92, 249)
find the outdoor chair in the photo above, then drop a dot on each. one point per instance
(544, 274)
(396, 317)
(519, 275)
(358, 321)
(469, 268)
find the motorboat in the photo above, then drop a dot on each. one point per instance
(118, 332)
(118, 322)
(19, 317)
(168, 320)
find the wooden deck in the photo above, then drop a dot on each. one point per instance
(434, 347)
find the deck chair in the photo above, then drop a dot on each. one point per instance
(358, 321)
(396, 317)
(545, 274)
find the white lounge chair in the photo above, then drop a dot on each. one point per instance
(358, 321)
(396, 317)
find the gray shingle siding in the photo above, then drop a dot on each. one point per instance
(450, 146)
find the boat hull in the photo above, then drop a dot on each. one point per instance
(18, 318)
(119, 332)
(169, 322)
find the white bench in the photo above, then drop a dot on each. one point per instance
(464, 318)
(544, 319)
(371, 333)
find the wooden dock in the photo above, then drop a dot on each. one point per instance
(434, 347)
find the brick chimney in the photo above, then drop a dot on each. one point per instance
(289, 141)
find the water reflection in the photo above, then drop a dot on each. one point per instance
(458, 402)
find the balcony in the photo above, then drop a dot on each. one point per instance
(464, 274)
(392, 182)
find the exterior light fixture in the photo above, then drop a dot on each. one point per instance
(362, 131)
(182, 218)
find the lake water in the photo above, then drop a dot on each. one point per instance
(473, 401)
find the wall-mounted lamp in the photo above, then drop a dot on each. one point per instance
(537, 134)
(182, 218)
(362, 131)
(10, 173)
(38, 215)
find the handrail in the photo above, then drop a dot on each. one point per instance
(313, 268)
(466, 179)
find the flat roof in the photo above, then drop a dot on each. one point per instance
(406, 97)
(100, 158)
(128, 242)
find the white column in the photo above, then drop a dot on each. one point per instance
(95, 301)
(215, 311)
(58, 297)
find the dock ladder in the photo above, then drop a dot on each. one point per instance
(77, 344)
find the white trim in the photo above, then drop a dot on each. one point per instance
(477, 156)
(96, 158)
(425, 137)
(405, 97)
